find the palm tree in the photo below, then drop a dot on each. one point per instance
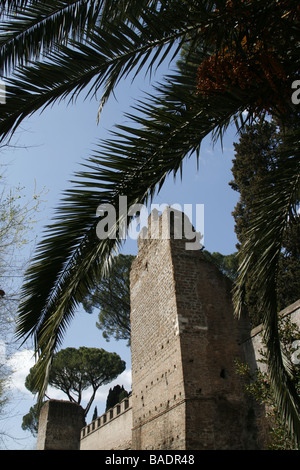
(229, 59)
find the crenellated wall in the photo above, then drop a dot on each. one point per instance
(111, 431)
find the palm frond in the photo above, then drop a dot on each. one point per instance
(259, 255)
(135, 164)
(32, 28)
(105, 58)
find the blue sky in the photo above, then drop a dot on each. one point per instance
(56, 143)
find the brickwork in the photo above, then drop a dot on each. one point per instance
(186, 394)
(217, 405)
(156, 363)
(185, 340)
(60, 423)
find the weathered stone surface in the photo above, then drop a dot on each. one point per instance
(185, 340)
(60, 423)
(110, 431)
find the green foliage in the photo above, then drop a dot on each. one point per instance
(259, 386)
(257, 157)
(75, 370)
(31, 420)
(115, 395)
(288, 283)
(259, 258)
(227, 264)
(95, 414)
(112, 296)
(17, 219)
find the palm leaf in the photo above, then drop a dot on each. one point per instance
(134, 163)
(105, 58)
(259, 255)
(35, 27)
(32, 28)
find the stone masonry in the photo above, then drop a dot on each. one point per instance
(111, 430)
(185, 340)
(184, 343)
(60, 424)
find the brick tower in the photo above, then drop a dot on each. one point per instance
(184, 342)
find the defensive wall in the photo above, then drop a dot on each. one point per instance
(255, 341)
(185, 340)
(111, 430)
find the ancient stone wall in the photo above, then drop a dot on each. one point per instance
(255, 340)
(113, 431)
(157, 375)
(185, 340)
(110, 431)
(60, 424)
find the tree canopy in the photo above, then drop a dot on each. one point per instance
(232, 61)
(256, 159)
(75, 370)
(112, 296)
(17, 218)
(115, 395)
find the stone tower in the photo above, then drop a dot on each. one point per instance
(60, 423)
(185, 340)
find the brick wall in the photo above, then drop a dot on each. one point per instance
(157, 377)
(185, 340)
(110, 432)
(60, 423)
(184, 343)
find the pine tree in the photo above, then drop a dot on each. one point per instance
(115, 395)
(256, 158)
(95, 414)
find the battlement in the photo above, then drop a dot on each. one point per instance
(112, 429)
(106, 417)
